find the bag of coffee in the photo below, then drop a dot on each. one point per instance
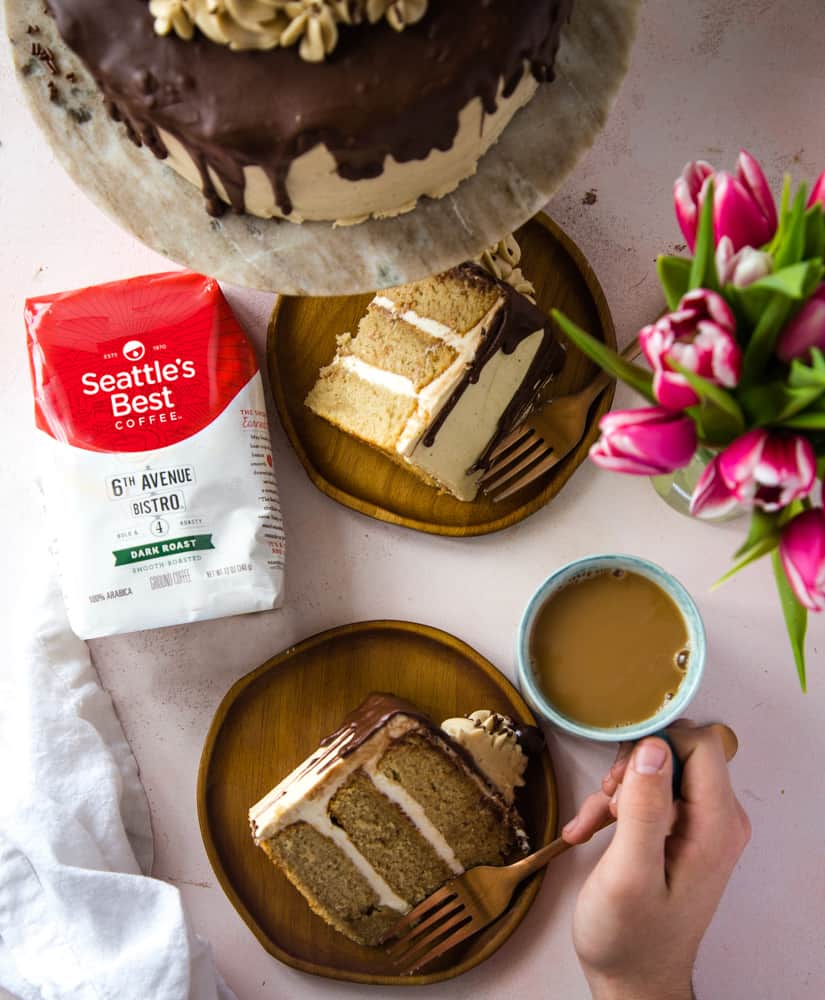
(156, 460)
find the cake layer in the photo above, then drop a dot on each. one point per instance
(388, 839)
(330, 883)
(458, 299)
(376, 413)
(273, 134)
(442, 790)
(392, 344)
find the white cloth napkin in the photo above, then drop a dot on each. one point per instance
(79, 918)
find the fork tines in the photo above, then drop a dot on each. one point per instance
(518, 467)
(431, 928)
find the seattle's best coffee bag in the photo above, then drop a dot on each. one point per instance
(156, 460)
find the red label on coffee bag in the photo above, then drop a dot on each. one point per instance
(135, 365)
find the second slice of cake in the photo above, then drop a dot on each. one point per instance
(438, 372)
(390, 807)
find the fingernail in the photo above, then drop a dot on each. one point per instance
(616, 794)
(571, 826)
(649, 758)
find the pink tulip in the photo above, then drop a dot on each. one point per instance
(699, 336)
(818, 192)
(647, 442)
(688, 194)
(741, 267)
(712, 497)
(743, 206)
(767, 470)
(805, 330)
(802, 551)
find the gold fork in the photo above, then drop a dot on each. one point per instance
(542, 440)
(468, 903)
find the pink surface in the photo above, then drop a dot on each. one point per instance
(706, 79)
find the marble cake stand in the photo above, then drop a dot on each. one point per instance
(514, 180)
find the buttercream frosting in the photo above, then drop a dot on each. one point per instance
(502, 260)
(492, 742)
(266, 24)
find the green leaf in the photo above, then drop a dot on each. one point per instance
(804, 375)
(763, 526)
(711, 393)
(714, 428)
(703, 270)
(637, 378)
(814, 232)
(674, 277)
(784, 213)
(763, 340)
(796, 618)
(809, 420)
(792, 247)
(777, 402)
(763, 537)
(758, 551)
(797, 281)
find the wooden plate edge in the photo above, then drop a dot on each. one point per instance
(525, 900)
(556, 484)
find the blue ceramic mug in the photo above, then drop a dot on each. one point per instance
(696, 645)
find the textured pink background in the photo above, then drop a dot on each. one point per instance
(706, 79)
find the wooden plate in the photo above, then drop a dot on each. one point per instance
(301, 341)
(274, 717)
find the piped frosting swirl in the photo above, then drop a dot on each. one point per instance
(492, 741)
(312, 25)
(502, 260)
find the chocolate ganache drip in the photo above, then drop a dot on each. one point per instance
(517, 320)
(380, 93)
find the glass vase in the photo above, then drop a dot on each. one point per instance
(676, 488)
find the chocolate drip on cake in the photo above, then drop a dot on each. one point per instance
(512, 324)
(380, 94)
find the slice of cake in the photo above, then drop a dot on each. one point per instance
(439, 371)
(388, 808)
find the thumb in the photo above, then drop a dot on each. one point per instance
(645, 811)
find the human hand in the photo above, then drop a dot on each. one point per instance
(643, 911)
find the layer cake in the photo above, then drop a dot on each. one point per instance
(332, 110)
(439, 371)
(388, 808)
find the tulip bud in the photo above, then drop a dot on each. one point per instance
(818, 192)
(743, 206)
(647, 442)
(712, 497)
(699, 336)
(742, 267)
(805, 330)
(766, 470)
(802, 551)
(688, 192)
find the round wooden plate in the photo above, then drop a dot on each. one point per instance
(301, 341)
(274, 717)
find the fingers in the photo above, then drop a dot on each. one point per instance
(594, 813)
(645, 813)
(592, 816)
(705, 777)
(713, 828)
(615, 775)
